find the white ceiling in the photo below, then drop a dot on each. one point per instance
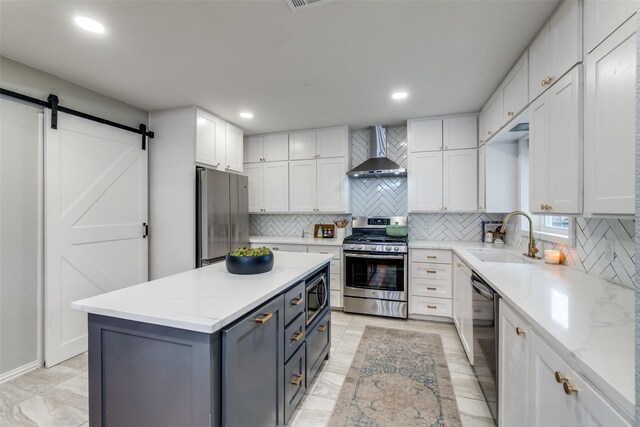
(328, 65)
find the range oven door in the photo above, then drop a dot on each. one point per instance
(381, 276)
(317, 297)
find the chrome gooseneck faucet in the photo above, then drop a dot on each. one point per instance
(532, 243)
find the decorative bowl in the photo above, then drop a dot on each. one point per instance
(249, 264)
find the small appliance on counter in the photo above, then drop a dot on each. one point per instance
(375, 267)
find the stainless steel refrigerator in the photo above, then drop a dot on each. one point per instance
(222, 214)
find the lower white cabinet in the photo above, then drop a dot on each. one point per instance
(429, 283)
(268, 187)
(610, 126)
(462, 305)
(538, 388)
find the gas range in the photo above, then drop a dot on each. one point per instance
(369, 235)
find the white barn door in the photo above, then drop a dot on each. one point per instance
(95, 207)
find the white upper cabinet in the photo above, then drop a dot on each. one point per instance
(481, 137)
(424, 135)
(319, 144)
(266, 148)
(610, 105)
(460, 132)
(516, 89)
(210, 139)
(302, 186)
(493, 114)
(602, 18)
(556, 49)
(482, 177)
(233, 148)
(331, 182)
(460, 182)
(255, 183)
(275, 184)
(555, 154)
(425, 181)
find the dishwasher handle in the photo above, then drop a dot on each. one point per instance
(481, 287)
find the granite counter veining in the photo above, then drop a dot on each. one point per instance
(205, 299)
(310, 241)
(588, 320)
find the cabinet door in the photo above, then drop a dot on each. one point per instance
(207, 130)
(253, 149)
(565, 38)
(460, 189)
(424, 135)
(255, 182)
(493, 118)
(233, 148)
(539, 64)
(466, 311)
(516, 89)
(601, 18)
(482, 183)
(275, 147)
(481, 137)
(513, 377)
(302, 145)
(253, 368)
(331, 182)
(565, 152)
(460, 132)
(539, 154)
(610, 124)
(302, 186)
(425, 182)
(332, 142)
(275, 184)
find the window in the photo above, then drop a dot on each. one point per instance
(558, 229)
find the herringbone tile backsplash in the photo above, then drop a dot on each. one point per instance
(388, 197)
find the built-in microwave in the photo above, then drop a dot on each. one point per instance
(317, 295)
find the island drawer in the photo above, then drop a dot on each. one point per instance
(294, 302)
(317, 345)
(293, 336)
(295, 384)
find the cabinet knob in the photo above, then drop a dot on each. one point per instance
(568, 388)
(445, 208)
(489, 132)
(264, 159)
(510, 113)
(560, 378)
(446, 147)
(297, 379)
(546, 81)
(265, 318)
(218, 164)
(520, 331)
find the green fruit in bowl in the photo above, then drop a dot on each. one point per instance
(250, 251)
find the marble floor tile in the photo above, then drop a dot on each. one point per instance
(41, 411)
(466, 386)
(473, 407)
(309, 418)
(80, 362)
(328, 385)
(32, 383)
(10, 396)
(73, 392)
(473, 421)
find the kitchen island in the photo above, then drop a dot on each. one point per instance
(206, 347)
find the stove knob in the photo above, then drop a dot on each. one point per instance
(388, 248)
(359, 247)
(396, 248)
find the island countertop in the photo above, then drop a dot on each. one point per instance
(205, 299)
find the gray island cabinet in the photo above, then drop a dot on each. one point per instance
(154, 362)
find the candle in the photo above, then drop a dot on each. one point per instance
(553, 257)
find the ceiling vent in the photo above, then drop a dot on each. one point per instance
(297, 5)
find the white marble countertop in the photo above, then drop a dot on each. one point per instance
(205, 299)
(588, 320)
(311, 241)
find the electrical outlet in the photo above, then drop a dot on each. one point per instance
(611, 250)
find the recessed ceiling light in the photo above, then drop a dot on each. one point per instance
(246, 115)
(89, 24)
(399, 95)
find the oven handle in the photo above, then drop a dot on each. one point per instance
(350, 255)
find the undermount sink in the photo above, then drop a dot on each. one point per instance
(497, 256)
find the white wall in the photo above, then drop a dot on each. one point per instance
(20, 195)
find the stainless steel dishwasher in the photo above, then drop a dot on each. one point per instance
(485, 306)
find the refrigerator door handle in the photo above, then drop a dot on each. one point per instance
(203, 244)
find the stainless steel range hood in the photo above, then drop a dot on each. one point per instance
(378, 165)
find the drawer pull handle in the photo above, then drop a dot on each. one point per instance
(296, 301)
(432, 289)
(265, 318)
(297, 336)
(297, 379)
(520, 331)
(568, 388)
(432, 257)
(323, 253)
(477, 310)
(433, 307)
(560, 379)
(322, 328)
(431, 271)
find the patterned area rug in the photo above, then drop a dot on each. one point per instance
(397, 378)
